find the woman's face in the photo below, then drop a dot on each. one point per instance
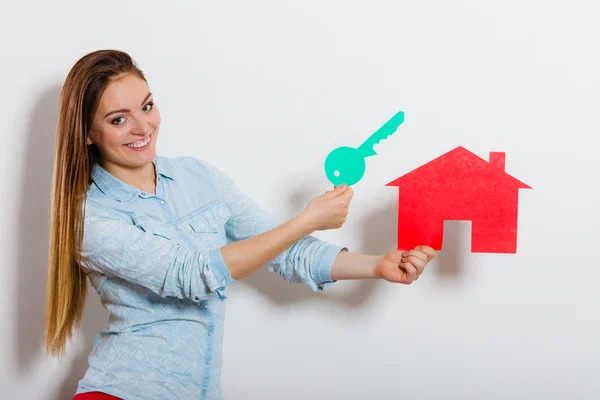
(125, 126)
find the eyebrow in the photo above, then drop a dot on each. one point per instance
(126, 110)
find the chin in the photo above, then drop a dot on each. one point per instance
(137, 160)
(147, 158)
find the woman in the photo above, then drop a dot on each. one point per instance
(161, 239)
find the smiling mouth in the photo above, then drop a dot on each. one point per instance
(139, 144)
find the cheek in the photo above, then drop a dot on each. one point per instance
(155, 118)
(113, 137)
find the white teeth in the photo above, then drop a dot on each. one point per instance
(139, 144)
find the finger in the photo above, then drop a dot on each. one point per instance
(417, 263)
(418, 254)
(348, 192)
(395, 274)
(395, 256)
(406, 278)
(427, 250)
(345, 198)
(415, 257)
(410, 269)
(337, 190)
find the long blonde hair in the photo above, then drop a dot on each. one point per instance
(74, 160)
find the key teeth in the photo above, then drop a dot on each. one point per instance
(376, 141)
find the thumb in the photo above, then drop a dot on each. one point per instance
(337, 190)
(340, 189)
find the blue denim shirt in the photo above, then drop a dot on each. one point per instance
(156, 264)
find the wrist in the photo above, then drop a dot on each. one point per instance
(375, 267)
(304, 224)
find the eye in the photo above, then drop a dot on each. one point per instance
(148, 106)
(118, 121)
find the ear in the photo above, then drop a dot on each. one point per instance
(88, 141)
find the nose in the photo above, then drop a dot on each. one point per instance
(140, 126)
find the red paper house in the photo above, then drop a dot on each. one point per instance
(459, 185)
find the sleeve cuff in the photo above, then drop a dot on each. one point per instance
(220, 272)
(325, 257)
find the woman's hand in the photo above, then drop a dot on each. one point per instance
(329, 210)
(405, 267)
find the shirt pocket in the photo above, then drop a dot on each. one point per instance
(160, 229)
(201, 224)
(207, 224)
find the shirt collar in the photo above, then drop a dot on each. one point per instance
(120, 190)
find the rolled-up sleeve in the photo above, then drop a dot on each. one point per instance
(115, 248)
(308, 261)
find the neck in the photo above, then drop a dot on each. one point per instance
(142, 178)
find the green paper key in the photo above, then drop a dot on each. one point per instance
(347, 164)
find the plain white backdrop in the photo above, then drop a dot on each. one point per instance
(265, 89)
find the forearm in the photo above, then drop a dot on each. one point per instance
(349, 265)
(246, 256)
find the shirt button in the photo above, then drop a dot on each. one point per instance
(210, 333)
(178, 228)
(162, 202)
(223, 282)
(205, 306)
(208, 360)
(204, 392)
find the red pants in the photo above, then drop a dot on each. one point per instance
(95, 396)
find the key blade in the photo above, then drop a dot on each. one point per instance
(367, 151)
(391, 126)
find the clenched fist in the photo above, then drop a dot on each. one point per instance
(401, 266)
